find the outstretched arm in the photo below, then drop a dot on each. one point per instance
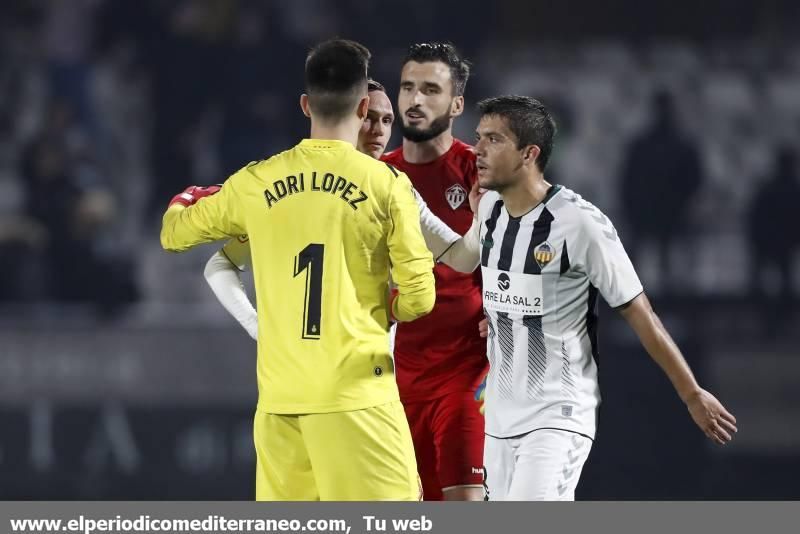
(708, 413)
(462, 253)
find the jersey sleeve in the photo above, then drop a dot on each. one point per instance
(210, 219)
(237, 250)
(412, 264)
(602, 257)
(438, 236)
(225, 282)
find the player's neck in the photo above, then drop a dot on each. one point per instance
(427, 151)
(525, 195)
(345, 131)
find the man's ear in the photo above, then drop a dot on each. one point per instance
(304, 105)
(457, 106)
(363, 108)
(530, 154)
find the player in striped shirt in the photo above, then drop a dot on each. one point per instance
(546, 255)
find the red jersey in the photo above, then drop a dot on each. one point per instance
(442, 352)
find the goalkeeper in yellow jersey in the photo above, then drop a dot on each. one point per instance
(325, 224)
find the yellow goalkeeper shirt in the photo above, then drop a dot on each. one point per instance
(325, 224)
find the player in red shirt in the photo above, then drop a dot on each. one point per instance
(440, 360)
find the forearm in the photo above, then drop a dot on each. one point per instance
(415, 297)
(464, 254)
(169, 238)
(707, 412)
(438, 235)
(224, 280)
(409, 256)
(199, 216)
(179, 232)
(661, 347)
(667, 355)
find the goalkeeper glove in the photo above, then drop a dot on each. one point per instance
(192, 194)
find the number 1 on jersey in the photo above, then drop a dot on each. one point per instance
(310, 260)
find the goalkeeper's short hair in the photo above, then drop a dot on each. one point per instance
(336, 78)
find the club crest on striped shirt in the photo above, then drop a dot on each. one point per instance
(543, 254)
(455, 195)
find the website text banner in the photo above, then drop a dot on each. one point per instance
(396, 518)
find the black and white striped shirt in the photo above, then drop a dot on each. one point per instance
(542, 273)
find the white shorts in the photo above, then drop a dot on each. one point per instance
(543, 465)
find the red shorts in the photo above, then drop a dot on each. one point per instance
(448, 441)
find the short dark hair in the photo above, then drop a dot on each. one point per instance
(448, 54)
(528, 119)
(372, 85)
(336, 77)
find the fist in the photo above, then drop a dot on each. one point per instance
(193, 193)
(483, 328)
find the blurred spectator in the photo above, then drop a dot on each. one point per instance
(64, 197)
(21, 238)
(68, 33)
(661, 174)
(772, 226)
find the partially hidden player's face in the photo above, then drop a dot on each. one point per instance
(426, 102)
(377, 128)
(500, 163)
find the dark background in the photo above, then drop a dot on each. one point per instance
(122, 378)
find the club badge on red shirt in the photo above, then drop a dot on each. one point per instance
(455, 195)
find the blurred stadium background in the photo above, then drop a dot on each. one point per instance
(122, 378)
